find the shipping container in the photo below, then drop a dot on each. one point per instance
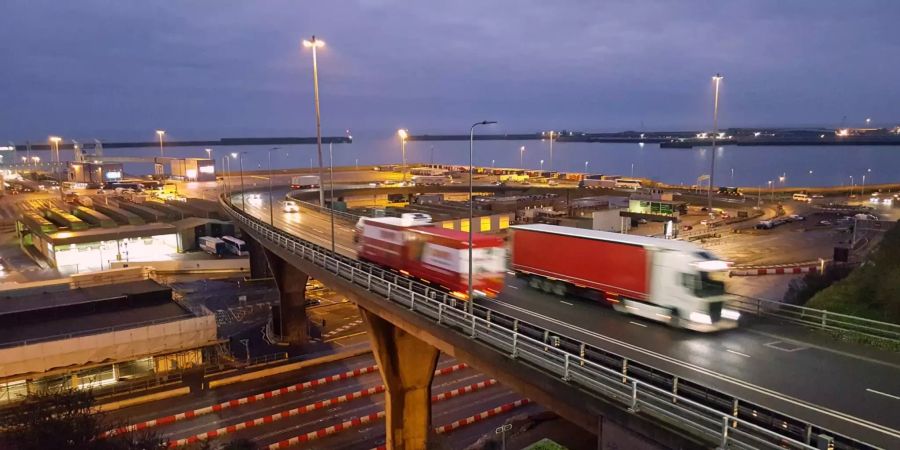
(670, 281)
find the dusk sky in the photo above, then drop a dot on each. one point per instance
(225, 68)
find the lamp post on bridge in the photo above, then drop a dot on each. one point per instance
(717, 79)
(271, 207)
(403, 134)
(522, 156)
(471, 305)
(315, 44)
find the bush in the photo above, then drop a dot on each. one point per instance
(871, 290)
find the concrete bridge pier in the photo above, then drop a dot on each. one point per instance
(291, 284)
(407, 367)
(258, 264)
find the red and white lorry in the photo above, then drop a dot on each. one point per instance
(670, 281)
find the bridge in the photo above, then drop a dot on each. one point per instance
(629, 384)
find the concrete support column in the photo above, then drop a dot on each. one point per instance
(258, 267)
(291, 284)
(407, 367)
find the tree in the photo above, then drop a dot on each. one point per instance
(64, 419)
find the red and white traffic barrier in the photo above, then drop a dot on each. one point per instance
(239, 401)
(326, 403)
(328, 431)
(476, 418)
(481, 416)
(773, 271)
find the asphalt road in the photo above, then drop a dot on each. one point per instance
(855, 392)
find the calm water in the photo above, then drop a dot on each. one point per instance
(830, 166)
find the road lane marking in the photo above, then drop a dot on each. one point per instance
(883, 393)
(511, 286)
(737, 353)
(785, 346)
(637, 323)
(566, 303)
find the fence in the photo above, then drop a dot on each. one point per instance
(691, 407)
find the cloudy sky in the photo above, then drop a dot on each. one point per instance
(228, 68)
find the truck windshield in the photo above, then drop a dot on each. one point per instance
(705, 284)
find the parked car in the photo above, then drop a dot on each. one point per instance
(797, 217)
(825, 222)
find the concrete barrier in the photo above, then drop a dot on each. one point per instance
(255, 375)
(162, 395)
(190, 265)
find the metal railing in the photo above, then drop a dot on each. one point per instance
(822, 319)
(715, 417)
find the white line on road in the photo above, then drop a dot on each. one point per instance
(511, 286)
(882, 393)
(566, 303)
(638, 324)
(737, 353)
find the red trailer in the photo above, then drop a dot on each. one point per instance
(670, 281)
(434, 254)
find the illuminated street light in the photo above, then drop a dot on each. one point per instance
(161, 133)
(863, 185)
(585, 166)
(403, 133)
(717, 79)
(55, 140)
(522, 156)
(542, 165)
(551, 148)
(315, 44)
(208, 153)
(772, 189)
(471, 303)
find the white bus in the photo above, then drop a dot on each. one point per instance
(431, 180)
(235, 246)
(628, 183)
(801, 197)
(429, 171)
(212, 245)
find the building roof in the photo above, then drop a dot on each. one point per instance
(643, 241)
(108, 234)
(86, 311)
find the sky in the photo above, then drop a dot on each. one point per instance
(210, 69)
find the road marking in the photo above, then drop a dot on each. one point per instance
(737, 353)
(511, 286)
(785, 346)
(345, 336)
(637, 323)
(566, 303)
(882, 393)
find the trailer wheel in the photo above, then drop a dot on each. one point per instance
(534, 282)
(547, 286)
(559, 288)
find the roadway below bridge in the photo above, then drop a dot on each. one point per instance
(851, 389)
(322, 404)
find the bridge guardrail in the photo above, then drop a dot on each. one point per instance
(713, 416)
(884, 332)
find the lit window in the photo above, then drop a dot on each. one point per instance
(504, 222)
(486, 223)
(448, 224)
(464, 225)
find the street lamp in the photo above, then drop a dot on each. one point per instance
(208, 153)
(271, 210)
(851, 185)
(471, 200)
(772, 189)
(863, 186)
(315, 44)
(542, 165)
(585, 166)
(161, 133)
(551, 148)
(493, 161)
(403, 133)
(55, 140)
(522, 156)
(732, 176)
(868, 121)
(717, 79)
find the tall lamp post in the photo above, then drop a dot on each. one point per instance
(522, 156)
(271, 208)
(471, 202)
(551, 149)
(240, 158)
(161, 133)
(863, 185)
(331, 189)
(717, 79)
(55, 140)
(315, 44)
(403, 133)
(585, 166)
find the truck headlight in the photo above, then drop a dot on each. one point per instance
(731, 314)
(701, 318)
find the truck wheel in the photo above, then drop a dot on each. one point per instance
(534, 282)
(547, 286)
(559, 288)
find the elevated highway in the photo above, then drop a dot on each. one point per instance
(762, 371)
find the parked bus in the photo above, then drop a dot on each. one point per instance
(431, 180)
(213, 245)
(628, 183)
(235, 246)
(801, 197)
